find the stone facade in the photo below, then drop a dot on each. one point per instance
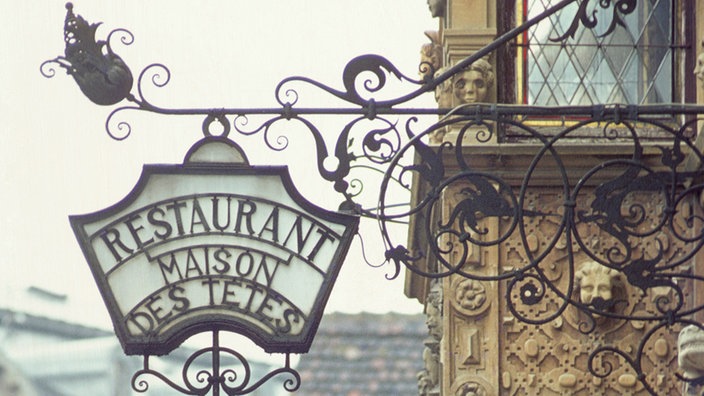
(476, 339)
(553, 358)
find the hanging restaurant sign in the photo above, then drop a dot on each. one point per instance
(214, 244)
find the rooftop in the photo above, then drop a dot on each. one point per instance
(364, 354)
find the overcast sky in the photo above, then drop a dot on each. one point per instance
(57, 160)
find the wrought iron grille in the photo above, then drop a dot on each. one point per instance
(641, 195)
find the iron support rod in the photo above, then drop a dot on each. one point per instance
(216, 363)
(474, 109)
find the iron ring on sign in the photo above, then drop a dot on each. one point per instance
(221, 119)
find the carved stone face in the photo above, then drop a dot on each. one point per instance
(699, 69)
(690, 346)
(443, 92)
(431, 54)
(434, 314)
(431, 359)
(433, 320)
(430, 58)
(471, 87)
(437, 8)
(595, 284)
(595, 280)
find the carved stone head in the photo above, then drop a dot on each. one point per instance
(437, 8)
(443, 92)
(690, 356)
(699, 68)
(474, 84)
(430, 55)
(596, 281)
(434, 311)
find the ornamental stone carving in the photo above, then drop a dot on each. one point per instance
(470, 297)
(433, 311)
(595, 281)
(555, 357)
(470, 294)
(429, 378)
(474, 84)
(471, 385)
(443, 95)
(596, 285)
(490, 346)
(437, 8)
(443, 92)
(690, 354)
(699, 68)
(431, 66)
(430, 55)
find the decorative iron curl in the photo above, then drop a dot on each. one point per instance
(378, 66)
(124, 127)
(690, 217)
(487, 196)
(427, 70)
(126, 37)
(217, 378)
(159, 76)
(671, 169)
(357, 68)
(612, 213)
(367, 76)
(635, 359)
(639, 271)
(620, 8)
(378, 145)
(608, 368)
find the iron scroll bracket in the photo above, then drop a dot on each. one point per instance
(230, 373)
(657, 157)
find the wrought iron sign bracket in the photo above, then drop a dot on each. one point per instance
(633, 212)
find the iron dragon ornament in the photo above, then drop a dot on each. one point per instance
(100, 73)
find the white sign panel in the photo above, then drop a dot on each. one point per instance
(198, 247)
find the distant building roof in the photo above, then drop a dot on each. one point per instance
(364, 354)
(56, 304)
(26, 322)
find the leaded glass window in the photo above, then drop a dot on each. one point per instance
(633, 64)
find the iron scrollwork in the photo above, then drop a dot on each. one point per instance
(230, 373)
(586, 16)
(643, 204)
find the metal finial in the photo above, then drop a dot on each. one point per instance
(101, 75)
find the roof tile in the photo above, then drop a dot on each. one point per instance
(364, 354)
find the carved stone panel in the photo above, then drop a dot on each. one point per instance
(562, 328)
(561, 356)
(471, 307)
(429, 379)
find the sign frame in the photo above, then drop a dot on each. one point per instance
(195, 165)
